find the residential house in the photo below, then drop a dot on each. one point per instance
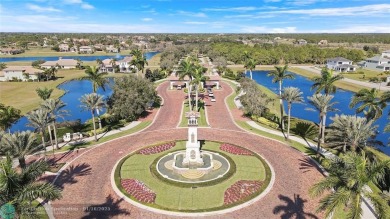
(124, 65)
(11, 51)
(85, 50)
(99, 47)
(23, 73)
(323, 43)
(62, 63)
(107, 66)
(112, 49)
(379, 62)
(340, 64)
(63, 47)
(301, 42)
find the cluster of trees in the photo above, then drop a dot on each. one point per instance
(255, 102)
(156, 74)
(353, 170)
(268, 54)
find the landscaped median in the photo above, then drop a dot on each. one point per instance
(248, 177)
(202, 120)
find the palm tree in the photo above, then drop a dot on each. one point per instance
(139, 60)
(44, 93)
(352, 131)
(113, 63)
(20, 188)
(54, 107)
(291, 95)
(97, 78)
(197, 80)
(8, 116)
(186, 68)
(323, 104)
(251, 65)
(19, 145)
(2, 66)
(92, 102)
(39, 119)
(99, 62)
(347, 184)
(326, 82)
(370, 103)
(245, 57)
(280, 74)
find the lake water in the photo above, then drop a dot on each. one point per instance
(82, 58)
(74, 90)
(303, 111)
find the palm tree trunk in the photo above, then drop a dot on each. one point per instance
(288, 122)
(250, 71)
(319, 135)
(50, 136)
(22, 162)
(189, 96)
(281, 105)
(55, 134)
(196, 100)
(94, 125)
(43, 144)
(323, 128)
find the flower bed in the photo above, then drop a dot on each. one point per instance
(235, 149)
(138, 190)
(157, 149)
(241, 190)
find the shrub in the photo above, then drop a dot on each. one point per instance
(267, 122)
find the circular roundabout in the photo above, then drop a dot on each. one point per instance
(156, 178)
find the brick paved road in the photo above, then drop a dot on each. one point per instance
(87, 180)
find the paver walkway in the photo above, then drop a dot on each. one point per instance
(86, 180)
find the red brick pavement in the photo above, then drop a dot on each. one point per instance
(87, 180)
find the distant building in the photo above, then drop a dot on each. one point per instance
(107, 66)
(323, 43)
(62, 63)
(86, 50)
(378, 63)
(340, 64)
(23, 73)
(301, 42)
(63, 47)
(112, 49)
(11, 51)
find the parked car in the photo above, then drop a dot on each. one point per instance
(179, 87)
(213, 100)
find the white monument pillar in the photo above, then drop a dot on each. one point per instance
(171, 86)
(192, 145)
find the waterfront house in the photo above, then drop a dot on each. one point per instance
(11, 51)
(62, 63)
(107, 66)
(379, 62)
(85, 50)
(124, 64)
(112, 49)
(63, 47)
(340, 64)
(23, 73)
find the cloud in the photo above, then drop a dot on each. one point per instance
(82, 4)
(191, 14)
(267, 1)
(233, 9)
(195, 22)
(87, 6)
(38, 8)
(264, 29)
(146, 19)
(358, 29)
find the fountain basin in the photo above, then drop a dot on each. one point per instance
(214, 167)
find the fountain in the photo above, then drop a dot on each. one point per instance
(193, 164)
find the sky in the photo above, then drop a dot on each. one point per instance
(195, 16)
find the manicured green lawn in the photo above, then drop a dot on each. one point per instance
(186, 199)
(202, 122)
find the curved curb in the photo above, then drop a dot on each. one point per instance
(202, 214)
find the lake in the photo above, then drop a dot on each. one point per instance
(82, 58)
(303, 111)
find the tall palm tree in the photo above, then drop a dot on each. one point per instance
(19, 145)
(99, 62)
(280, 74)
(251, 65)
(39, 119)
(8, 116)
(291, 95)
(245, 57)
(369, 103)
(54, 107)
(347, 183)
(44, 93)
(92, 102)
(186, 69)
(97, 78)
(197, 80)
(351, 131)
(326, 82)
(20, 188)
(323, 104)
